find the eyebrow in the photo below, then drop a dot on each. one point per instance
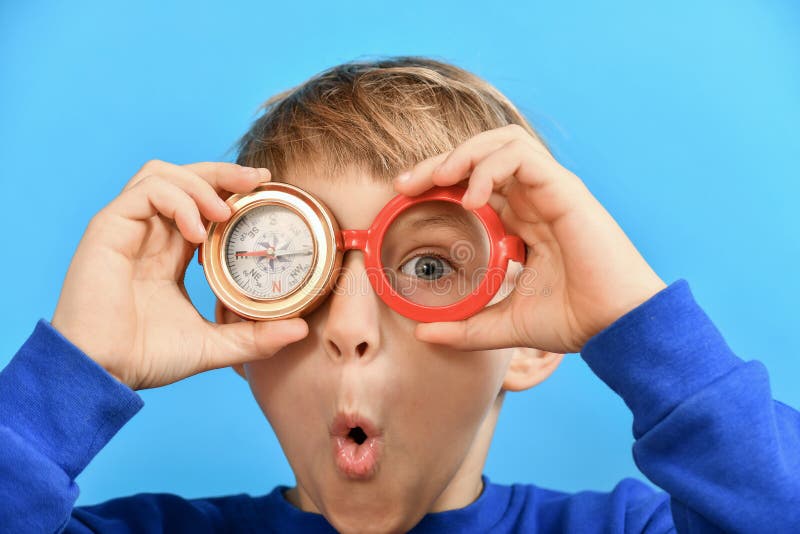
(439, 220)
(464, 226)
(445, 220)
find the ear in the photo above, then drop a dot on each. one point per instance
(223, 315)
(529, 367)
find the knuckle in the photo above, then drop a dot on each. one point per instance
(516, 129)
(440, 166)
(209, 346)
(97, 221)
(201, 186)
(185, 204)
(216, 168)
(456, 158)
(469, 332)
(101, 222)
(153, 164)
(149, 180)
(518, 145)
(201, 168)
(149, 167)
(246, 342)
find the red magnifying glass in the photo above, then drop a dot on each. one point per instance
(279, 255)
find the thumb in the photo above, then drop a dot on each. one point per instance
(490, 328)
(245, 341)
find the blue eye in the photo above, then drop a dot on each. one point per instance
(427, 267)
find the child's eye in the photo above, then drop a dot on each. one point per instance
(427, 267)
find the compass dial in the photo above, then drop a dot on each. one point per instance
(269, 251)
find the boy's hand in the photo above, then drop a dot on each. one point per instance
(124, 303)
(585, 271)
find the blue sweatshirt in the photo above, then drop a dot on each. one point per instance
(706, 430)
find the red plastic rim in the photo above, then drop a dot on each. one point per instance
(502, 248)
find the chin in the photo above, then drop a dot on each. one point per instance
(388, 519)
(357, 507)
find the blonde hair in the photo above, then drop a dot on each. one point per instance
(381, 116)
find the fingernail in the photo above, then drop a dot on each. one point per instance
(201, 229)
(264, 172)
(406, 176)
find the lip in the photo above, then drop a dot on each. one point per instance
(356, 462)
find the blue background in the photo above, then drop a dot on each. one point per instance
(682, 120)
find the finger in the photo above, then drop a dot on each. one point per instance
(155, 195)
(543, 186)
(466, 156)
(520, 218)
(211, 205)
(224, 177)
(498, 202)
(231, 177)
(245, 341)
(488, 329)
(493, 171)
(409, 183)
(460, 161)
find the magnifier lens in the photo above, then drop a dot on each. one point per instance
(435, 253)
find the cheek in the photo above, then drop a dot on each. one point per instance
(453, 391)
(444, 399)
(292, 393)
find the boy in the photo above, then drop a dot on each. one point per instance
(424, 397)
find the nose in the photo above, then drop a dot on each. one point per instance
(352, 325)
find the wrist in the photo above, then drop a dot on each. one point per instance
(631, 295)
(635, 294)
(68, 333)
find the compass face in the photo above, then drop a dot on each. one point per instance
(269, 251)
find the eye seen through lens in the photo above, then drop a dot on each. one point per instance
(435, 253)
(428, 267)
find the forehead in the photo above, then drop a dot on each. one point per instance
(354, 197)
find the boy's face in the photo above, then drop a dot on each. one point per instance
(433, 407)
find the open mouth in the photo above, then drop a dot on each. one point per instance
(356, 445)
(357, 434)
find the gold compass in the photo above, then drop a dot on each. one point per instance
(277, 255)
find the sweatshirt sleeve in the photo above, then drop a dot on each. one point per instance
(58, 408)
(705, 426)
